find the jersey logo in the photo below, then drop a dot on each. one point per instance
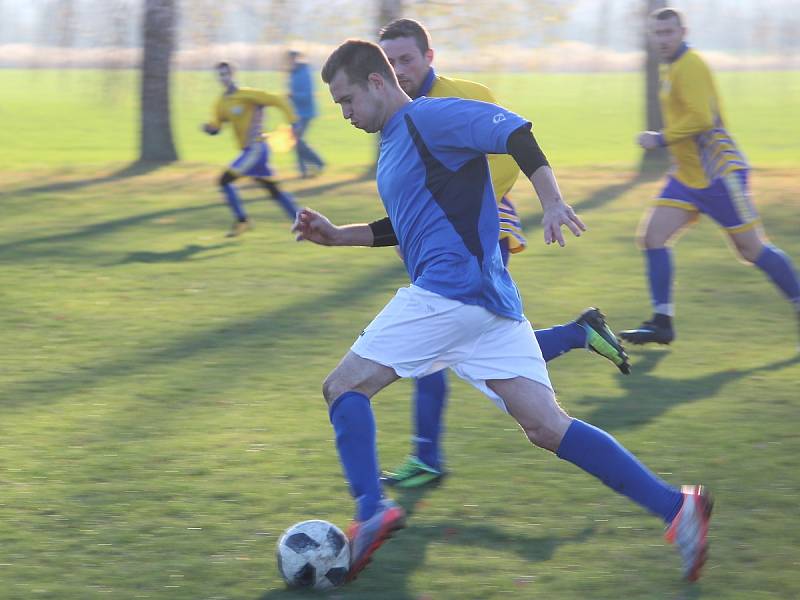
(498, 118)
(236, 110)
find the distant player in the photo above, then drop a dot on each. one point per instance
(301, 93)
(710, 176)
(462, 310)
(407, 46)
(244, 108)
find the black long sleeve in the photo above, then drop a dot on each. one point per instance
(523, 147)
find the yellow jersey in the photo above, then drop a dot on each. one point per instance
(694, 130)
(244, 110)
(502, 167)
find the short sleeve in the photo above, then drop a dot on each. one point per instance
(457, 124)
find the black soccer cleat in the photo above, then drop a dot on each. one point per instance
(648, 333)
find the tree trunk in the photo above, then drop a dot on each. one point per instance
(659, 157)
(157, 144)
(388, 11)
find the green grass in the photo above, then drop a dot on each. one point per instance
(70, 118)
(161, 420)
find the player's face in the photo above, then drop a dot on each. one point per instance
(225, 77)
(362, 105)
(408, 61)
(666, 36)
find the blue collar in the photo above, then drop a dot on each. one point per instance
(427, 83)
(395, 120)
(681, 51)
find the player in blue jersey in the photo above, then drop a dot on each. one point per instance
(710, 176)
(462, 309)
(407, 45)
(301, 93)
(244, 108)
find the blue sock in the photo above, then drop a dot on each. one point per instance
(778, 267)
(599, 454)
(354, 425)
(232, 196)
(659, 274)
(287, 204)
(430, 398)
(557, 340)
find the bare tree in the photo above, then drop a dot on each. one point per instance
(388, 11)
(654, 121)
(160, 17)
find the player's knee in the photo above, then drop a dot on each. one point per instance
(749, 252)
(547, 433)
(543, 437)
(333, 387)
(270, 186)
(650, 241)
(226, 178)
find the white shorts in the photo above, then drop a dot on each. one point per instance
(419, 332)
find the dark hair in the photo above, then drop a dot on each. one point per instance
(401, 28)
(225, 65)
(358, 58)
(663, 14)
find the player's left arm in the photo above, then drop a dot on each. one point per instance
(525, 150)
(694, 91)
(275, 100)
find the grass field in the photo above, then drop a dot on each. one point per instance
(161, 420)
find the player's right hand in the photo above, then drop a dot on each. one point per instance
(557, 215)
(315, 227)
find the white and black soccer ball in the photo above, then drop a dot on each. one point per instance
(313, 554)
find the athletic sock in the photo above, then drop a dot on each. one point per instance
(430, 398)
(778, 267)
(557, 340)
(287, 204)
(599, 454)
(232, 196)
(659, 275)
(354, 425)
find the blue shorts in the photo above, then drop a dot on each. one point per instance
(253, 161)
(726, 200)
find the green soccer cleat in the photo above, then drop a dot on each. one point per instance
(412, 474)
(600, 339)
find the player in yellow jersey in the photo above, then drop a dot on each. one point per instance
(407, 46)
(709, 176)
(244, 108)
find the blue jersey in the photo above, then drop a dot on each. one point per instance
(301, 91)
(434, 181)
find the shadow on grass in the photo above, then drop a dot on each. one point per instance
(114, 225)
(186, 253)
(648, 396)
(600, 197)
(264, 332)
(387, 577)
(102, 228)
(135, 169)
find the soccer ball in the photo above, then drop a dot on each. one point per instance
(313, 554)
